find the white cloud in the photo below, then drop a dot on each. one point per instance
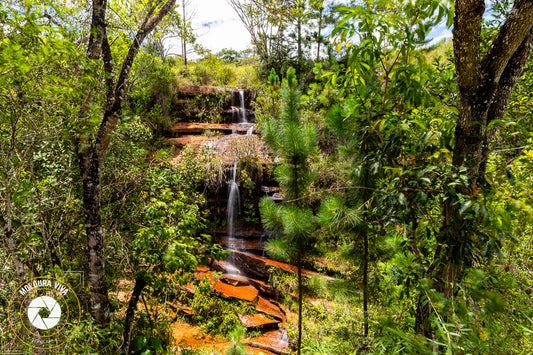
(218, 26)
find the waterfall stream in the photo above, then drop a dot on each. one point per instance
(233, 208)
(234, 202)
(242, 107)
(238, 107)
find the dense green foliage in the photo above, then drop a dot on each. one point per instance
(427, 256)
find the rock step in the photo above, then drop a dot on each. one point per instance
(259, 267)
(237, 288)
(244, 293)
(194, 90)
(269, 308)
(198, 127)
(257, 321)
(179, 307)
(275, 341)
(195, 141)
(235, 280)
(241, 244)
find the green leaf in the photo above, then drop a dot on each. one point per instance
(465, 206)
(139, 342)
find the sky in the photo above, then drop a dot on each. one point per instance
(217, 25)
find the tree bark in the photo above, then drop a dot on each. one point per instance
(91, 182)
(300, 303)
(7, 228)
(365, 283)
(319, 39)
(485, 87)
(184, 36)
(92, 152)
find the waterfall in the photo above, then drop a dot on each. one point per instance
(238, 108)
(233, 207)
(250, 131)
(238, 116)
(242, 110)
(235, 110)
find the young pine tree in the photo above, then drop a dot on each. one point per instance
(293, 141)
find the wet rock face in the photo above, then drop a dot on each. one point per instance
(243, 293)
(269, 308)
(259, 267)
(275, 341)
(235, 280)
(257, 321)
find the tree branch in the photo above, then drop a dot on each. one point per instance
(509, 38)
(113, 113)
(97, 29)
(466, 40)
(507, 82)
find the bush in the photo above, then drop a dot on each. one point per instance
(216, 315)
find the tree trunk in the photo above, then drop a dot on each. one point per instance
(7, 228)
(485, 85)
(90, 174)
(140, 283)
(365, 283)
(184, 36)
(422, 325)
(299, 39)
(92, 151)
(319, 39)
(300, 303)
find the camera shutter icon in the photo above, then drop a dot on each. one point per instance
(51, 306)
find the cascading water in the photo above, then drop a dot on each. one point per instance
(234, 202)
(239, 116)
(238, 107)
(242, 107)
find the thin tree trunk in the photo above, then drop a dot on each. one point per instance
(140, 283)
(365, 283)
(422, 325)
(300, 303)
(7, 227)
(183, 37)
(319, 39)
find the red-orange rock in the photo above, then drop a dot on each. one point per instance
(260, 267)
(222, 266)
(264, 288)
(235, 280)
(185, 309)
(275, 341)
(202, 268)
(265, 306)
(245, 293)
(257, 320)
(197, 127)
(189, 288)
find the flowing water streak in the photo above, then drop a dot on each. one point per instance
(234, 195)
(232, 212)
(242, 108)
(233, 206)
